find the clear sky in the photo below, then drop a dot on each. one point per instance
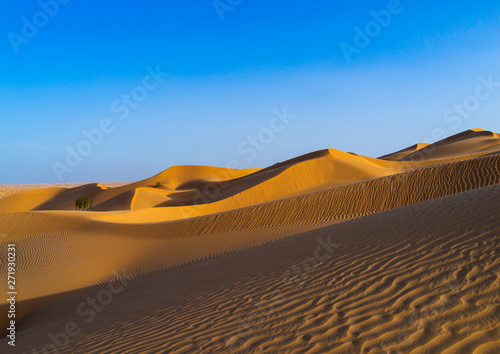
(245, 83)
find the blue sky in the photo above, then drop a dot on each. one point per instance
(230, 70)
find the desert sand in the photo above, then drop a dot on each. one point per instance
(330, 252)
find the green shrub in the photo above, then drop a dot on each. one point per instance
(84, 203)
(158, 185)
(78, 203)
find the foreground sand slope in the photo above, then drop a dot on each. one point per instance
(422, 278)
(213, 247)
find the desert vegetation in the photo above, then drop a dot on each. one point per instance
(83, 203)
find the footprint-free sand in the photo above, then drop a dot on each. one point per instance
(330, 252)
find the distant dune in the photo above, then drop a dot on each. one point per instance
(328, 252)
(8, 189)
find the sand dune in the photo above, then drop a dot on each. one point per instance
(398, 155)
(472, 142)
(8, 189)
(328, 252)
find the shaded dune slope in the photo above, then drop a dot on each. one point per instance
(398, 155)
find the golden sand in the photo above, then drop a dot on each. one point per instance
(328, 252)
